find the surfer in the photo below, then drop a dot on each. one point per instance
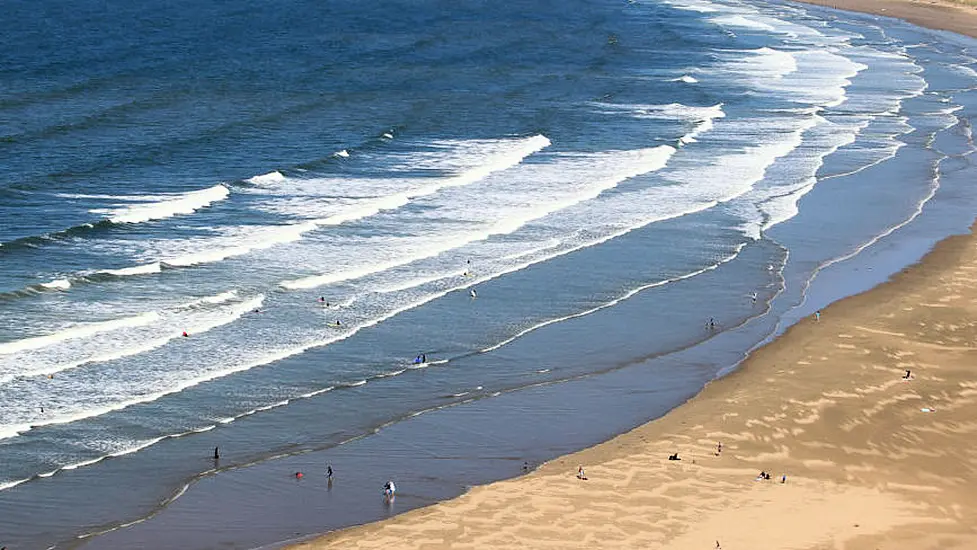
(423, 358)
(338, 323)
(418, 360)
(322, 299)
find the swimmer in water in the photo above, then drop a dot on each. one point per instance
(338, 323)
(472, 293)
(185, 335)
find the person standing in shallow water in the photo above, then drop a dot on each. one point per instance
(217, 454)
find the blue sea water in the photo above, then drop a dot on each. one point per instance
(607, 176)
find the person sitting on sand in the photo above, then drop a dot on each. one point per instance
(763, 475)
(908, 375)
(719, 448)
(674, 457)
(581, 474)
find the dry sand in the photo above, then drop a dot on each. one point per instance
(872, 461)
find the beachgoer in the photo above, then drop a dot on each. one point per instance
(185, 334)
(525, 466)
(322, 299)
(423, 358)
(329, 472)
(909, 375)
(417, 360)
(298, 475)
(472, 293)
(217, 453)
(754, 297)
(717, 546)
(338, 323)
(783, 478)
(389, 489)
(581, 474)
(42, 409)
(674, 457)
(817, 315)
(763, 475)
(712, 324)
(719, 448)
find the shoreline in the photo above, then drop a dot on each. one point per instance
(892, 476)
(941, 15)
(864, 482)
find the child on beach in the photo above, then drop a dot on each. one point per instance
(581, 474)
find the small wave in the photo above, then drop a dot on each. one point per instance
(267, 179)
(685, 78)
(57, 284)
(342, 154)
(185, 203)
(216, 299)
(146, 269)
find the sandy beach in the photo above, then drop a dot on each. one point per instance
(858, 455)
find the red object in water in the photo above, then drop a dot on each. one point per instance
(185, 334)
(298, 475)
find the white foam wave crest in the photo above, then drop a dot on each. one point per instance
(741, 22)
(167, 206)
(699, 118)
(57, 284)
(628, 164)
(77, 331)
(120, 338)
(260, 239)
(145, 269)
(267, 179)
(685, 78)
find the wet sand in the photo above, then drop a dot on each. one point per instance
(871, 460)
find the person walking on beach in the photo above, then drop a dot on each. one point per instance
(817, 315)
(329, 472)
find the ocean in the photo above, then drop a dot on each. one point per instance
(236, 225)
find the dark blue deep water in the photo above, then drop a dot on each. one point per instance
(236, 224)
